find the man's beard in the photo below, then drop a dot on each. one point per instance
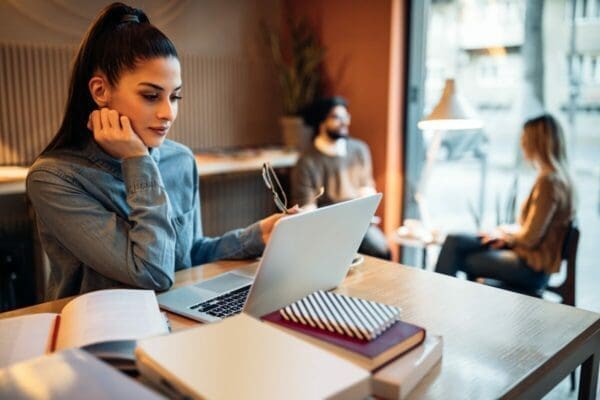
(335, 135)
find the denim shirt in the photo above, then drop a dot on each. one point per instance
(106, 223)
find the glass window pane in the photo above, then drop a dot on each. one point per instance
(511, 60)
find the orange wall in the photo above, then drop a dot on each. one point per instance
(364, 63)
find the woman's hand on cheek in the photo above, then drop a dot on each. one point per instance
(114, 134)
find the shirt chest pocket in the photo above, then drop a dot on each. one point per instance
(184, 232)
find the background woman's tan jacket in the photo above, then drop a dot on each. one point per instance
(544, 221)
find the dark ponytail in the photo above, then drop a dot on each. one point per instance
(119, 38)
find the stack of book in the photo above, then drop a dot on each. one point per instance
(243, 358)
(344, 347)
(369, 334)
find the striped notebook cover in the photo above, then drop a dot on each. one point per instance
(348, 316)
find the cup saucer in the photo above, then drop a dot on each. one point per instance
(357, 260)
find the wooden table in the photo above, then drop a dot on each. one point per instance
(497, 344)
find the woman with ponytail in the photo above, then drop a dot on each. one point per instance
(524, 255)
(117, 204)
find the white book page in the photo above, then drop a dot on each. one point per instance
(25, 337)
(106, 315)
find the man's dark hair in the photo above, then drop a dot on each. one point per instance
(317, 112)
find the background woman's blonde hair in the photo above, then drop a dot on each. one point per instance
(544, 141)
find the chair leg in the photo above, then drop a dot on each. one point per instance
(573, 381)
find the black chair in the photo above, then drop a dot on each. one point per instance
(561, 283)
(17, 272)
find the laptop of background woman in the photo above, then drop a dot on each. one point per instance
(308, 251)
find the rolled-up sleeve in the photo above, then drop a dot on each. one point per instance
(138, 250)
(235, 244)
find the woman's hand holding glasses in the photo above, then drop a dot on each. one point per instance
(280, 199)
(267, 224)
(272, 183)
(279, 196)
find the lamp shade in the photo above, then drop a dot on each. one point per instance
(451, 113)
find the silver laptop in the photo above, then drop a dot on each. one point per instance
(308, 251)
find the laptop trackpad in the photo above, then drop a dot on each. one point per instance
(224, 283)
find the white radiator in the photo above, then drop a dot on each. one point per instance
(33, 87)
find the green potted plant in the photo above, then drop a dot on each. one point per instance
(297, 62)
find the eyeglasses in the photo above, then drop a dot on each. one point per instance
(279, 197)
(272, 182)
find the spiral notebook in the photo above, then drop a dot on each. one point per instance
(369, 354)
(348, 316)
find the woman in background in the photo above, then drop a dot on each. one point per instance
(523, 255)
(117, 204)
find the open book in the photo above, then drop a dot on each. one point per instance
(107, 322)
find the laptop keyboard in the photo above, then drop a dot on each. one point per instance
(225, 305)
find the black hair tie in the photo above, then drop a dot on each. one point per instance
(130, 18)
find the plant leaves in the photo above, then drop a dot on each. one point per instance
(299, 76)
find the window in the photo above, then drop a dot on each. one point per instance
(508, 73)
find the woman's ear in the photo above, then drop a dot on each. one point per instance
(100, 90)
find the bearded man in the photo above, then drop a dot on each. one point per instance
(339, 164)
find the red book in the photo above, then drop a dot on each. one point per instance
(396, 340)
